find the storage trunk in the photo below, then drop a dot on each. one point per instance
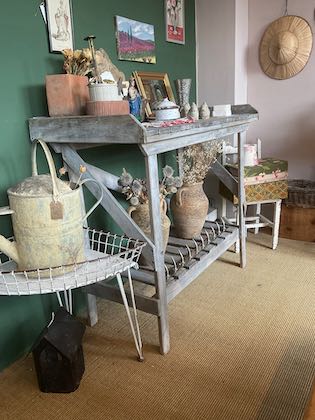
(297, 223)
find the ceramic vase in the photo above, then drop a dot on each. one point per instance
(141, 215)
(189, 208)
(183, 87)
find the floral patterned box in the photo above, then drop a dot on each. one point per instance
(259, 192)
(267, 170)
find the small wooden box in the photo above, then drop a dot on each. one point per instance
(297, 223)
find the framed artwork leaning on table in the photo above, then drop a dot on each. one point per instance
(153, 87)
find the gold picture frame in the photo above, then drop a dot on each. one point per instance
(153, 87)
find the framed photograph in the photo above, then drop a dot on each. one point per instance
(59, 24)
(153, 87)
(135, 40)
(175, 21)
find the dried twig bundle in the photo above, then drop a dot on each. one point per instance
(197, 160)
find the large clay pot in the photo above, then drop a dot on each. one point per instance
(189, 208)
(141, 215)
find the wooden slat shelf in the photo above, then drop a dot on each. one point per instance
(184, 260)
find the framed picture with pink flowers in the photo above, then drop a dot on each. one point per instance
(175, 21)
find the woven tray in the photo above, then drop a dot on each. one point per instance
(301, 193)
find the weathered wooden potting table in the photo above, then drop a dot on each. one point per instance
(183, 260)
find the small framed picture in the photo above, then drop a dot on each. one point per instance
(153, 87)
(135, 40)
(175, 21)
(59, 24)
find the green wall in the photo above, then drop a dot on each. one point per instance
(25, 62)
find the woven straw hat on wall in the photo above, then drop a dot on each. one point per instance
(285, 47)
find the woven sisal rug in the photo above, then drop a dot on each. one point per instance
(242, 347)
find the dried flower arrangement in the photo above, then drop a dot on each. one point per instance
(136, 191)
(197, 159)
(77, 62)
(62, 171)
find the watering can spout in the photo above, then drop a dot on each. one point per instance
(9, 248)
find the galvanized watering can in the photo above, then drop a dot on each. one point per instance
(47, 219)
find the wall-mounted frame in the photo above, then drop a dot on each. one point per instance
(135, 40)
(175, 20)
(153, 87)
(59, 24)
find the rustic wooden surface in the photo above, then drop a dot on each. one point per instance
(85, 131)
(297, 223)
(125, 129)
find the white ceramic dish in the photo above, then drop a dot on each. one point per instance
(166, 110)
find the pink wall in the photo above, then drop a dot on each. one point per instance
(286, 107)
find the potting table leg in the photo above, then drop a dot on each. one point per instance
(134, 328)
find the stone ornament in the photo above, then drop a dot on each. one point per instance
(194, 112)
(186, 109)
(204, 111)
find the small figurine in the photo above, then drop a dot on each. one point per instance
(134, 98)
(194, 112)
(204, 111)
(185, 110)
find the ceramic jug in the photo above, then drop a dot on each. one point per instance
(189, 208)
(47, 220)
(141, 215)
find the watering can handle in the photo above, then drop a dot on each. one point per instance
(50, 162)
(98, 201)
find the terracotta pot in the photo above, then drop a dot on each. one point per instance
(189, 208)
(67, 94)
(141, 215)
(107, 108)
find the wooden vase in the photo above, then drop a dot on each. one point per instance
(67, 94)
(141, 215)
(189, 208)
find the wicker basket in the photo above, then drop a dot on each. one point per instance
(301, 193)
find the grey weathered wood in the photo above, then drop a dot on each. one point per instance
(224, 175)
(144, 276)
(84, 132)
(125, 129)
(156, 231)
(241, 200)
(106, 178)
(176, 286)
(164, 143)
(110, 204)
(107, 291)
(92, 316)
(91, 309)
(87, 129)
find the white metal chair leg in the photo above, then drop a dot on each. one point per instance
(135, 331)
(276, 224)
(258, 211)
(68, 300)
